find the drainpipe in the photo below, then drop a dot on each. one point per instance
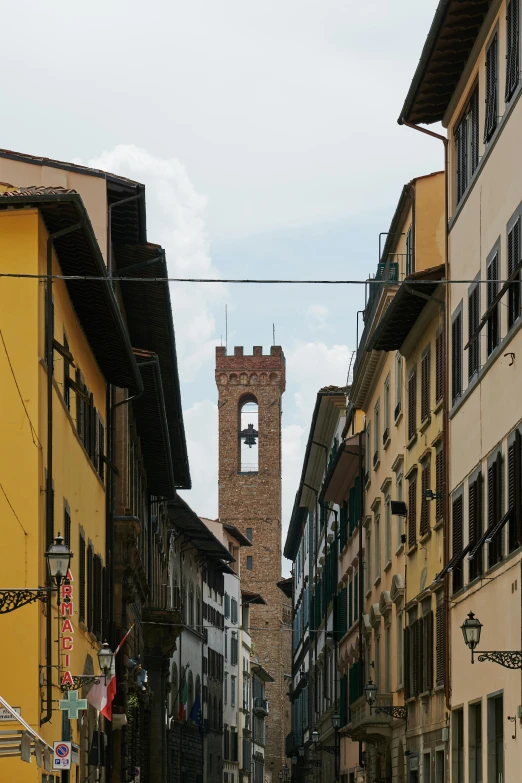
(445, 405)
(49, 356)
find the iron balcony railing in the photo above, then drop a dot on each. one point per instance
(260, 705)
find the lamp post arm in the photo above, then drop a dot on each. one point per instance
(15, 598)
(510, 659)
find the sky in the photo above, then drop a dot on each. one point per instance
(266, 135)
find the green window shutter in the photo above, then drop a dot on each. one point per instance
(350, 604)
(356, 599)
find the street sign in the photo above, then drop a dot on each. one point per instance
(6, 715)
(62, 755)
(137, 774)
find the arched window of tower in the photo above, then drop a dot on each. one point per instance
(248, 435)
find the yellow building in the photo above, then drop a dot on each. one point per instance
(52, 458)
(394, 383)
(476, 98)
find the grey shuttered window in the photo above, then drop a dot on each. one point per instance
(425, 386)
(466, 136)
(491, 118)
(493, 327)
(457, 541)
(425, 485)
(495, 509)
(475, 525)
(456, 358)
(473, 324)
(439, 367)
(412, 404)
(513, 259)
(81, 576)
(514, 493)
(412, 510)
(513, 47)
(440, 663)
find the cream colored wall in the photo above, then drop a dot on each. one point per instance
(429, 221)
(92, 189)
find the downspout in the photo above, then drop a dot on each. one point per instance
(361, 583)
(445, 406)
(49, 356)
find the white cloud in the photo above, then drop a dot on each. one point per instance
(313, 365)
(176, 220)
(201, 427)
(317, 318)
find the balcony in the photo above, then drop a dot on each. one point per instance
(364, 725)
(260, 706)
(292, 742)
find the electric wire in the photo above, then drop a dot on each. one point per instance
(12, 509)
(33, 430)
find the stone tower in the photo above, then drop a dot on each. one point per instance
(250, 389)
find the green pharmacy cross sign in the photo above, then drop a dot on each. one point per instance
(72, 704)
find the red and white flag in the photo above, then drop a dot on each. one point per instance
(102, 695)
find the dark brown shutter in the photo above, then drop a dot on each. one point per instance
(514, 492)
(97, 576)
(495, 546)
(492, 289)
(67, 525)
(457, 541)
(407, 672)
(473, 324)
(441, 654)
(512, 44)
(425, 386)
(474, 116)
(513, 258)
(461, 153)
(456, 358)
(81, 575)
(428, 665)
(439, 485)
(90, 587)
(439, 367)
(490, 123)
(412, 510)
(412, 405)
(424, 515)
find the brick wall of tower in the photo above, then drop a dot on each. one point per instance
(253, 500)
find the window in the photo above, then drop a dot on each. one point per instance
(81, 575)
(473, 324)
(495, 750)
(377, 661)
(493, 326)
(248, 435)
(191, 605)
(225, 687)
(233, 611)
(386, 411)
(495, 508)
(440, 639)
(426, 768)
(398, 385)
(376, 432)
(66, 523)
(425, 504)
(249, 533)
(457, 540)
(387, 529)
(439, 766)
(466, 136)
(475, 742)
(514, 492)
(234, 650)
(249, 562)
(457, 746)
(513, 254)
(387, 658)
(399, 496)
(425, 385)
(412, 404)
(439, 366)
(439, 485)
(400, 634)
(490, 123)
(356, 595)
(377, 544)
(232, 691)
(513, 45)
(66, 374)
(368, 449)
(427, 649)
(412, 510)
(409, 251)
(456, 358)
(369, 554)
(475, 525)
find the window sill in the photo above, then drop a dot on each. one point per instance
(388, 566)
(376, 462)
(438, 406)
(425, 537)
(377, 581)
(438, 524)
(398, 417)
(425, 424)
(411, 441)
(411, 550)
(368, 593)
(399, 550)
(386, 443)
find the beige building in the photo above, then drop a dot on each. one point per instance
(472, 55)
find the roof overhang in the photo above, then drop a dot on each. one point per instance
(190, 525)
(285, 585)
(149, 315)
(252, 598)
(94, 300)
(453, 32)
(404, 309)
(343, 470)
(233, 531)
(261, 673)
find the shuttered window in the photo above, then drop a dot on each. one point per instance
(97, 596)
(425, 485)
(81, 577)
(67, 524)
(514, 493)
(425, 386)
(440, 667)
(407, 666)
(491, 118)
(356, 595)
(466, 137)
(417, 655)
(475, 530)
(412, 510)
(457, 541)
(439, 485)
(493, 327)
(90, 587)
(513, 46)
(66, 374)
(412, 404)
(513, 258)
(439, 367)
(473, 324)
(456, 358)
(428, 651)
(350, 604)
(495, 508)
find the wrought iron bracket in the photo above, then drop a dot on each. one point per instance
(395, 712)
(80, 681)
(14, 599)
(508, 659)
(315, 762)
(333, 749)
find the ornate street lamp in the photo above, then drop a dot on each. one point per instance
(336, 721)
(294, 760)
(301, 750)
(370, 691)
(315, 736)
(105, 656)
(58, 558)
(471, 629)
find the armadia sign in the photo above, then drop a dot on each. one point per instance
(66, 627)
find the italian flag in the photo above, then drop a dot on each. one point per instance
(183, 699)
(102, 695)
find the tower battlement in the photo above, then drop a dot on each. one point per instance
(256, 369)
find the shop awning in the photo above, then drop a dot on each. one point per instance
(343, 471)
